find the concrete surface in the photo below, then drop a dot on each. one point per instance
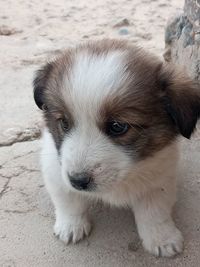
(26, 213)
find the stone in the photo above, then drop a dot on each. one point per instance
(182, 39)
(19, 116)
(123, 31)
(5, 30)
(122, 23)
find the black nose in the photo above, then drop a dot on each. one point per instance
(80, 181)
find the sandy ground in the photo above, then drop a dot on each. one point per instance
(30, 32)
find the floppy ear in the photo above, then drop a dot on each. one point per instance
(181, 98)
(40, 83)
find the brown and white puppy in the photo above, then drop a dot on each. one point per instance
(113, 114)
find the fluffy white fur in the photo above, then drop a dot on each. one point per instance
(152, 210)
(84, 91)
(148, 187)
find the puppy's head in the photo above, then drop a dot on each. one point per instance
(109, 105)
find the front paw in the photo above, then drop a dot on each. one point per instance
(72, 228)
(163, 241)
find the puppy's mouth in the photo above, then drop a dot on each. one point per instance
(82, 182)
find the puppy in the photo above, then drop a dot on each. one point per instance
(113, 114)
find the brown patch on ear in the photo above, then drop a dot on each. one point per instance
(138, 104)
(181, 98)
(48, 94)
(48, 80)
(40, 83)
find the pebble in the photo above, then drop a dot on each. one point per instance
(123, 31)
(5, 30)
(134, 246)
(121, 23)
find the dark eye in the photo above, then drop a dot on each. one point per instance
(64, 124)
(115, 128)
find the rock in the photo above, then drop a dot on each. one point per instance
(134, 246)
(5, 30)
(122, 23)
(19, 116)
(123, 31)
(182, 39)
(17, 135)
(85, 36)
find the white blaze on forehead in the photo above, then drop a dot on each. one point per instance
(90, 80)
(93, 77)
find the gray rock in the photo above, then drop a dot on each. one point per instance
(182, 39)
(174, 28)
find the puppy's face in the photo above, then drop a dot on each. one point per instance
(108, 106)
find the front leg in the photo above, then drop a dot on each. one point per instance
(72, 222)
(155, 225)
(71, 210)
